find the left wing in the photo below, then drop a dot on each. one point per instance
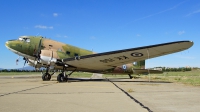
(107, 60)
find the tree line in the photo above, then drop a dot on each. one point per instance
(17, 70)
(181, 69)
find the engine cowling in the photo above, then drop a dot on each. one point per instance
(34, 63)
(48, 57)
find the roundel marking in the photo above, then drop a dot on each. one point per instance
(136, 54)
(124, 67)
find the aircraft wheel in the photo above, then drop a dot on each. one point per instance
(46, 77)
(61, 78)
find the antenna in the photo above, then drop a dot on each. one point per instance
(37, 34)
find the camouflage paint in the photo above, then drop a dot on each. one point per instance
(62, 51)
(24, 47)
(128, 69)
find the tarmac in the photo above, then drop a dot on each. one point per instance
(30, 93)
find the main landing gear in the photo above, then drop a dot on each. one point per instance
(63, 77)
(130, 76)
(46, 76)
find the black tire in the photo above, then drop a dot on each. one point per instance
(46, 77)
(61, 78)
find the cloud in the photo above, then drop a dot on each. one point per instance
(138, 35)
(43, 27)
(93, 37)
(55, 14)
(181, 32)
(194, 12)
(65, 36)
(61, 36)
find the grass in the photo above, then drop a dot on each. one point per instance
(189, 77)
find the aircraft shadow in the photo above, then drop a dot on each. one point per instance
(85, 79)
(113, 80)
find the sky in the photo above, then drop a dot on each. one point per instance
(104, 25)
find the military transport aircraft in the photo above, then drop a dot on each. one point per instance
(42, 52)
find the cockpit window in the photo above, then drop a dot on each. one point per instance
(24, 38)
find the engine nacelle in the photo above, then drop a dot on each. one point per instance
(34, 63)
(48, 57)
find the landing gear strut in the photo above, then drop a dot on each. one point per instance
(130, 76)
(62, 77)
(46, 76)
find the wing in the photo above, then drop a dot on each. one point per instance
(107, 60)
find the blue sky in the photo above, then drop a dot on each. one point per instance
(104, 25)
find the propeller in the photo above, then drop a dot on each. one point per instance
(17, 60)
(25, 61)
(37, 54)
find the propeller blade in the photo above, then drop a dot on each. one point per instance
(17, 60)
(37, 54)
(25, 61)
(24, 64)
(39, 47)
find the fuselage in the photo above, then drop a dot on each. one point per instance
(43, 52)
(28, 46)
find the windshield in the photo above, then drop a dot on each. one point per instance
(24, 38)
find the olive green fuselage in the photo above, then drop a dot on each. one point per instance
(62, 50)
(49, 49)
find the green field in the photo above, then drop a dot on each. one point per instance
(189, 77)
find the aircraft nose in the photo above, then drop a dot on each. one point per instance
(9, 43)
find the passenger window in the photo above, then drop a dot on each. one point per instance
(75, 54)
(67, 52)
